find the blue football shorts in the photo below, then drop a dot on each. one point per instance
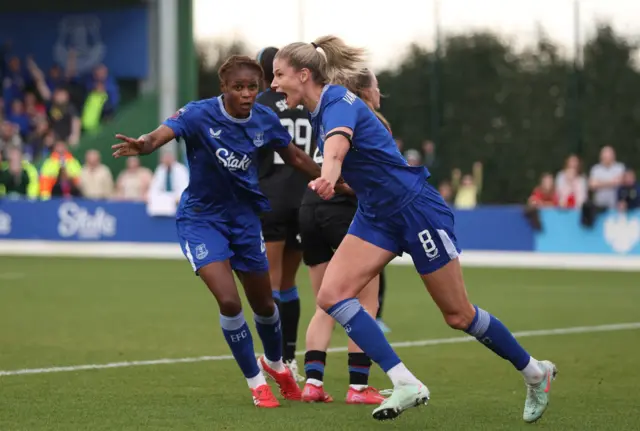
(424, 229)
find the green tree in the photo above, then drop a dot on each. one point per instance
(520, 113)
(611, 104)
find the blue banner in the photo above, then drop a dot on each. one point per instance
(490, 228)
(117, 38)
(498, 228)
(83, 220)
(613, 233)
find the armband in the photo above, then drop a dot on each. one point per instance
(338, 132)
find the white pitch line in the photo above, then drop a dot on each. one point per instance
(402, 344)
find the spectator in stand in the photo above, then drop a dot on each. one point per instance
(101, 75)
(97, 107)
(2, 110)
(19, 117)
(17, 177)
(571, 191)
(133, 183)
(56, 78)
(60, 157)
(467, 188)
(446, 191)
(9, 137)
(413, 157)
(34, 108)
(14, 82)
(96, 181)
(63, 117)
(429, 154)
(605, 178)
(170, 177)
(544, 195)
(571, 188)
(169, 181)
(40, 141)
(629, 192)
(65, 186)
(33, 189)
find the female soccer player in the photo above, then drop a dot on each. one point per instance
(398, 211)
(284, 186)
(323, 226)
(218, 216)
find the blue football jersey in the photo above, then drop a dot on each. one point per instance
(222, 155)
(374, 167)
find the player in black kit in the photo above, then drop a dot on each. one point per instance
(323, 225)
(284, 188)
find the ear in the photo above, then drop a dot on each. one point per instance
(304, 75)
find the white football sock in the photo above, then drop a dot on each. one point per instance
(532, 373)
(400, 375)
(277, 366)
(256, 381)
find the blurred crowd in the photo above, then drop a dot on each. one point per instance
(609, 184)
(460, 190)
(61, 175)
(42, 117)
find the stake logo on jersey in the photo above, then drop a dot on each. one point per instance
(231, 161)
(221, 152)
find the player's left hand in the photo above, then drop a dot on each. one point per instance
(323, 188)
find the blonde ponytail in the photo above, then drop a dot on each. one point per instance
(343, 62)
(330, 60)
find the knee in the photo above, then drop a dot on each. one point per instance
(230, 306)
(266, 307)
(460, 319)
(323, 300)
(327, 298)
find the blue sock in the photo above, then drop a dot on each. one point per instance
(365, 332)
(289, 295)
(270, 334)
(276, 295)
(494, 335)
(238, 336)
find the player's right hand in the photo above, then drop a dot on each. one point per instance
(128, 146)
(323, 188)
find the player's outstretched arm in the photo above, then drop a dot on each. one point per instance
(145, 144)
(294, 156)
(336, 148)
